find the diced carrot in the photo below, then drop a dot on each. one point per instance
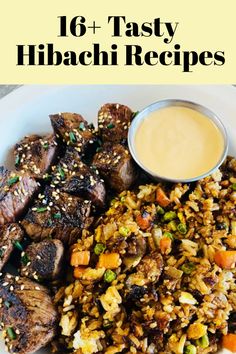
(80, 258)
(109, 260)
(225, 259)
(229, 342)
(79, 271)
(144, 221)
(162, 198)
(165, 244)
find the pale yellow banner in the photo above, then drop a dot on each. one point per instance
(157, 37)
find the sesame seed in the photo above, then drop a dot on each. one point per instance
(17, 278)
(5, 283)
(22, 287)
(37, 288)
(11, 288)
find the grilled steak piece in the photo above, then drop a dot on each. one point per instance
(27, 314)
(116, 166)
(57, 215)
(74, 177)
(16, 191)
(10, 236)
(44, 260)
(74, 130)
(113, 122)
(35, 154)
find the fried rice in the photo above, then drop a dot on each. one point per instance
(167, 293)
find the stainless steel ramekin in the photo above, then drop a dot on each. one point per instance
(181, 103)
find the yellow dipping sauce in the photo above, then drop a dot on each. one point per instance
(178, 143)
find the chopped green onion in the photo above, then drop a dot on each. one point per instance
(47, 177)
(124, 231)
(72, 137)
(190, 349)
(57, 215)
(81, 126)
(113, 201)
(91, 126)
(17, 160)
(42, 209)
(110, 126)
(98, 149)
(234, 186)
(2, 251)
(49, 222)
(18, 245)
(7, 304)
(172, 225)
(99, 142)
(182, 228)
(168, 234)
(134, 114)
(169, 215)
(11, 333)
(109, 276)
(188, 268)
(160, 210)
(61, 172)
(46, 146)
(99, 248)
(12, 180)
(203, 342)
(107, 324)
(25, 259)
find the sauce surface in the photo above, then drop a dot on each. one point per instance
(178, 143)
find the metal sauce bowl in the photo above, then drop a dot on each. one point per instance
(180, 103)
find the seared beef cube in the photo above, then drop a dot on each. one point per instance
(113, 122)
(57, 215)
(27, 314)
(44, 260)
(116, 166)
(74, 177)
(74, 130)
(35, 154)
(16, 191)
(10, 237)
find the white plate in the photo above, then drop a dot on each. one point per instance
(26, 110)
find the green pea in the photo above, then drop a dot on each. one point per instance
(182, 228)
(234, 186)
(190, 349)
(203, 342)
(124, 231)
(99, 248)
(109, 276)
(169, 215)
(168, 234)
(188, 268)
(160, 210)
